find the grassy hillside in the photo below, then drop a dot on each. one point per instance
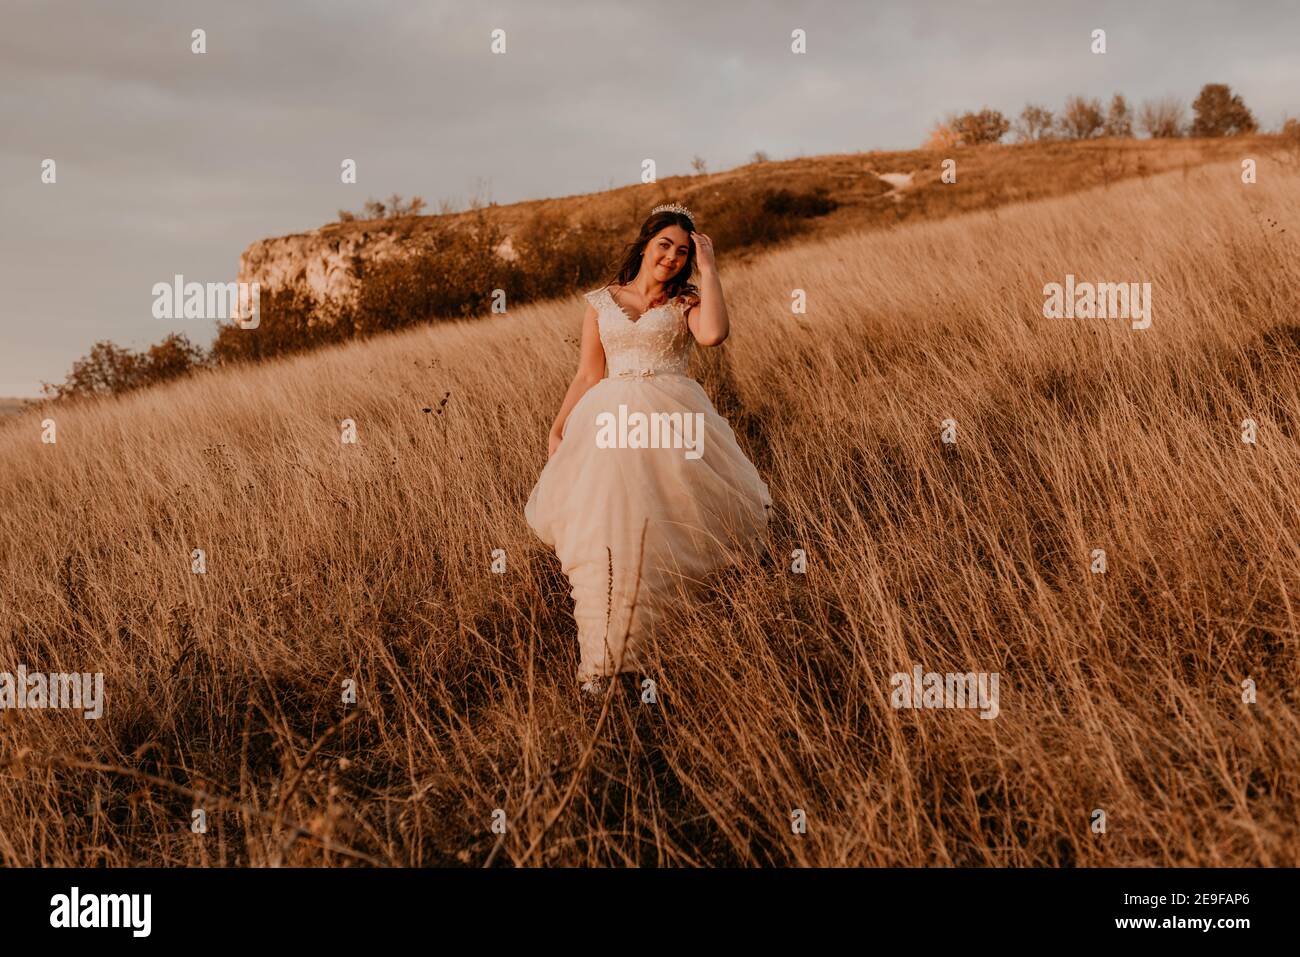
(328, 562)
(989, 176)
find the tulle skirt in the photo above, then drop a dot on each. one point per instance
(633, 523)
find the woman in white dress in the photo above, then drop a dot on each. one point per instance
(645, 486)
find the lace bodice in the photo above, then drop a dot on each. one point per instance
(658, 342)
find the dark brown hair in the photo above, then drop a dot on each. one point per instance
(680, 284)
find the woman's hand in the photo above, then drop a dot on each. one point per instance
(555, 444)
(703, 252)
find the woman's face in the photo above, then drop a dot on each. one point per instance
(666, 253)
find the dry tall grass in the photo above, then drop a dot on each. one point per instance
(327, 562)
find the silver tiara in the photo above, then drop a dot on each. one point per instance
(674, 208)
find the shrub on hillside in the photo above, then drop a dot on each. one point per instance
(450, 274)
(110, 369)
(769, 217)
(1119, 118)
(554, 257)
(784, 202)
(290, 320)
(967, 129)
(395, 208)
(1164, 118)
(1034, 124)
(1290, 133)
(171, 358)
(942, 137)
(977, 129)
(1220, 112)
(1081, 119)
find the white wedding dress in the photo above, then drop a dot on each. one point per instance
(629, 522)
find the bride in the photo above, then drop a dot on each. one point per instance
(644, 486)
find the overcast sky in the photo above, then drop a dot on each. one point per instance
(170, 162)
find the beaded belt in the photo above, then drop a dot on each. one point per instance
(638, 373)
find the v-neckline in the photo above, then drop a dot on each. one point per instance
(626, 315)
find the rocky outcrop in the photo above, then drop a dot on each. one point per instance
(324, 262)
(327, 261)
